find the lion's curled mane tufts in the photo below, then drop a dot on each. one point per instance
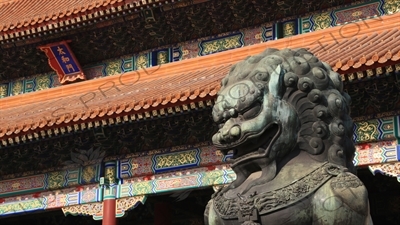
(316, 93)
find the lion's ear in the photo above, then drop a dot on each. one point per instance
(276, 84)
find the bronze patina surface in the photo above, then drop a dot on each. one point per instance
(285, 117)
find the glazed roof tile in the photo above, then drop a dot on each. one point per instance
(376, 48)
(376, 43)
(125, 98)
(18, 14)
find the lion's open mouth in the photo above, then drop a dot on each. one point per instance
(254, 144)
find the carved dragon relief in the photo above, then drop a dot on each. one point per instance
(285, 117)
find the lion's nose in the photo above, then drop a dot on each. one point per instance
(235, 131)
(230, 134)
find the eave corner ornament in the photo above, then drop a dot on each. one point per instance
(62, 60)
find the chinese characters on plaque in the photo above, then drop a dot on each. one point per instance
(63, 61)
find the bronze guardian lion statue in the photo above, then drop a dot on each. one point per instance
(285, 117)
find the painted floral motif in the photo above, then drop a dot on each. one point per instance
(55, 180)
(322, 21)
(17, 87)
(142, 188)
(21, 184)
(88, 173)
(162, 57)
(22, 206)
(43, 82)
(367, 131)
(114, 68)
(110, 175)
(141, 62)
(3, 90)
(221, 44)
(289, 29)
(391, 6)
(89, 196)
(356, 13)
(84, 209)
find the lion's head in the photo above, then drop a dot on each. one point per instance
(279, 100)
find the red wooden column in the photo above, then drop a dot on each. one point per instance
(109, 210)
(109, 193)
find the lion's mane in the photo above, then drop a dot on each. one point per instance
(316, 93)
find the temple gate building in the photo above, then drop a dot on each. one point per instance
(105, 105)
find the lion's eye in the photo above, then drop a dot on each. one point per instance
(252, 112)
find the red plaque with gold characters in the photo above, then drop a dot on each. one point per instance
(63, 61)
